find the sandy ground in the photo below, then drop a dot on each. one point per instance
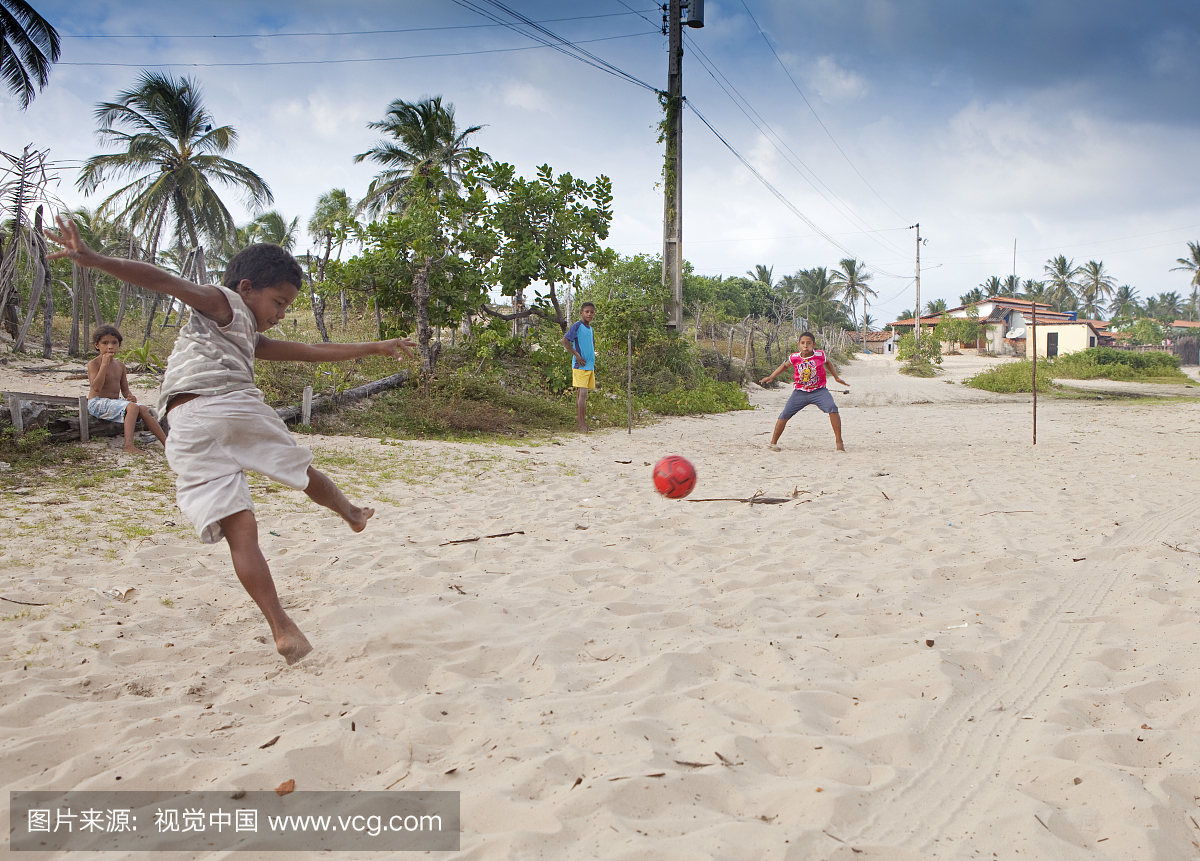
(832, 678)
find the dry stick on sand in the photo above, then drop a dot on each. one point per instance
(479, 537)
(25, 603)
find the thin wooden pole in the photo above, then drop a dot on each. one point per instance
(1033, 331)
(629, 378)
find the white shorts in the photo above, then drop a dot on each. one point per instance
(214, 439)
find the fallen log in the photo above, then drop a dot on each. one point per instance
(322, 403)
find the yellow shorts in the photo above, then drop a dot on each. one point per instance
(583, 379)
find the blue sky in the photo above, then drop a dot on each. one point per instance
(1070, 127)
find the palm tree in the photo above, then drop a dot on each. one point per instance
(935, 306)
(1061, 275)
(1011, 286)
(1191, 264)
(172, 153)
(29, 46)
(819, 297)
(425, 136)
(272, 227)
(992, 287)
(1095, 286)
(1124, 302)
(1035, 291)
(973, 296)
(851, 282)
(332, 221)
(1168, 307)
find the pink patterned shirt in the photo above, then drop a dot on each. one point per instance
(810, 372)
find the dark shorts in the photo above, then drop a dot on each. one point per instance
(821, 399)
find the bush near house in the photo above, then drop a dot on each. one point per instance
(1012, 378)
(1106, 363)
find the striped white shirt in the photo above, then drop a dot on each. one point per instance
(210, 359)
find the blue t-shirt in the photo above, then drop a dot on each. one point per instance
(581, 336)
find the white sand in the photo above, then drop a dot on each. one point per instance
(622, 636)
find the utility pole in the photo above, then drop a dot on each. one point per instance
(672, 256)
(917, 227)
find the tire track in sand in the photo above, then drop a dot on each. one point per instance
(911, 812)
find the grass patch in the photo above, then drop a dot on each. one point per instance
(918, 368)
(1011, 378)
(1106, 363)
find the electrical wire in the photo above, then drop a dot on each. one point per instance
(782, 199)
(347, 60)
(764, 127)
(815, 114)
(344, 32)
(553, 40)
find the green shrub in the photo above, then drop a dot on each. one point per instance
(1012, 377)
(1111, 364)
(709, 396)
(929, 351)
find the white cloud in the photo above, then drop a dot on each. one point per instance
(518, 94)
(834, 83)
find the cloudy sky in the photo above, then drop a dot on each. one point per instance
(1069, 126)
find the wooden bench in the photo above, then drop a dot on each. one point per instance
(15, 399)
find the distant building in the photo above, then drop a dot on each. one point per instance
(877, 342)
(1006, 324)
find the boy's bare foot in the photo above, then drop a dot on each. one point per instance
(131, 449)
(291, 643)
(773, 447)
(841, 448)
(358, 517)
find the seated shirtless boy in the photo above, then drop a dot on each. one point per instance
(109, 397)
(220, 424)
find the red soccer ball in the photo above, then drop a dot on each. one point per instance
(674, 477)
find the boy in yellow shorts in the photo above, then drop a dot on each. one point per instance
(581, 342)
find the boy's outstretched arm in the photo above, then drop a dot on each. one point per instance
(786, 364)
(833, 373)
(295, 351)
(206, 299)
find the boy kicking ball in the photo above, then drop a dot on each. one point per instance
(220, 424)
(810, 367)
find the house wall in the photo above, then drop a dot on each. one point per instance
(1071, 339)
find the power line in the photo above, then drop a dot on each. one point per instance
(780, 197)
(350, 60)
(814, 112)
(340, 32)
(553, 40)
(759, 123)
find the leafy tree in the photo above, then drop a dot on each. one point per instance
(953, 331)
(28, 47)
(172, 156)
(549, 230)
(1095, 286)
(426, 263)
(1144, 330)
(425, 141)
(1061, 282)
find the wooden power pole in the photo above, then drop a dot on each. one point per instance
(672, 256)
(917, 227)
